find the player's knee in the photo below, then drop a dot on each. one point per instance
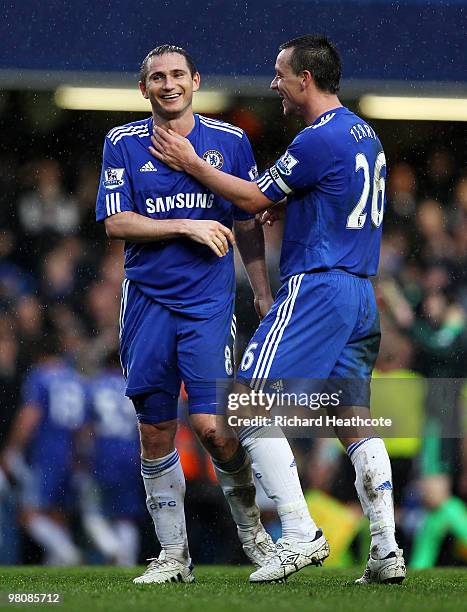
(157, 439)
(216, 442)
(209, 436)
(157, 417)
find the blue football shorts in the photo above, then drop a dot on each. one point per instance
(323, 327)
(160, 347)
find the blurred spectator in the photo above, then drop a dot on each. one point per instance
(401, 190)
(439, 333)
(29, 320)
(440, 169)
(46, 207)
(14, 282)
(45, 212)
(431, 225)
(394, 251)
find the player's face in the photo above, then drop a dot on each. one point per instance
(169, 85)
(287, 84)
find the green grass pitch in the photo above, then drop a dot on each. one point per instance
(226, 589)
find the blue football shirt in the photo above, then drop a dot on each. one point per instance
(181, 274)
(333, 175)
(113, 419)
(58, 391)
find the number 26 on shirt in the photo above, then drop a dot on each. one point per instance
(357, 218)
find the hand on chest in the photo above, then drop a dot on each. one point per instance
(161, 191)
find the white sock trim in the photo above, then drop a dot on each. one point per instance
(153, 468)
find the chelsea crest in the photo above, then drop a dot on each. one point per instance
(214, 158)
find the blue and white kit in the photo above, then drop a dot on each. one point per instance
(324, 323)
(116, 454)
(177, 317)
(59, 393)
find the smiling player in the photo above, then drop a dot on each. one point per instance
(177, 318)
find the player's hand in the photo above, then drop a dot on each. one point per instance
(271, 215)
(212, 233)
(172, 149)
(263, 305)
(267, 217)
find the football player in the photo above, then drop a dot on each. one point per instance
(177, 320)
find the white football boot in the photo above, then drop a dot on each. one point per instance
(290, 557)
(162, 569)
(390, 570)
(259, 547)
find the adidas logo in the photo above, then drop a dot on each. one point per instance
(323, 121)
(148, 167)
(386, 486)
(278, 386)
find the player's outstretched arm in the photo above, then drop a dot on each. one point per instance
(250, 242)
(133, 227)
(177, 152)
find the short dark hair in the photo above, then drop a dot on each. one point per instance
(317, 54)
(163, 50)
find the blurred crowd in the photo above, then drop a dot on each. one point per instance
(60, 281)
